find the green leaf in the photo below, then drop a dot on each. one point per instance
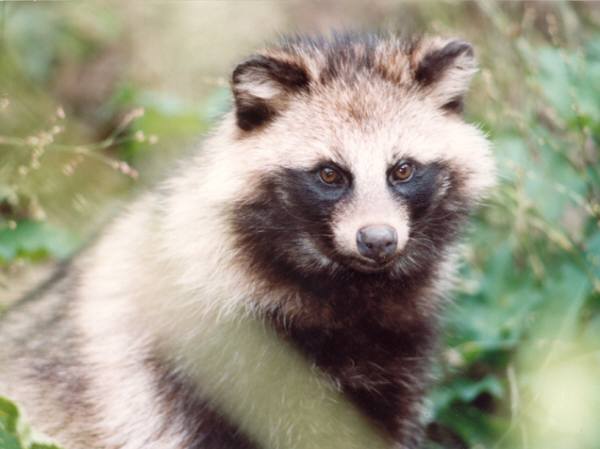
(465, 390)
(35, 240)
(15, 433)
(473, 426)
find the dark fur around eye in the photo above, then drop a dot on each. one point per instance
(420, 190)
(289, 204)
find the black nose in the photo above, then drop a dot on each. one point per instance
(377, 242)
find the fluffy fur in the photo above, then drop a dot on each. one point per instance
(229, 309)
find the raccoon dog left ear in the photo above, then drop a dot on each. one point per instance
(443, 69)
(261, 87)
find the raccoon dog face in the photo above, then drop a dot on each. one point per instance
(358, 157)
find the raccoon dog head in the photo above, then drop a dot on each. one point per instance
(356, 156)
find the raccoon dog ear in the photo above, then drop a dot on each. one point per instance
(261, 88)
(443, 69)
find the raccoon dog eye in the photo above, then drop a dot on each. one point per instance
(330, 176)
(402, 172)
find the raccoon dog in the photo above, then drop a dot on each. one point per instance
(282, 290)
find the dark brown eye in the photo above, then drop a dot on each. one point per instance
(330, 176)
(403, 172)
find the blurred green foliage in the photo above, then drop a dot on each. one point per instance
(14, 432)
(522, 356)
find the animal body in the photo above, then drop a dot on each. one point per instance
(282, 290)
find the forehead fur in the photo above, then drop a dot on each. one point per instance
(406, 62)
(360, 100)
(347, 56)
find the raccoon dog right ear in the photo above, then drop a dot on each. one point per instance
(444, 69)
(261, 87)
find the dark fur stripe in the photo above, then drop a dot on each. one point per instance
(205, 427)
(38, 292)
(380, 364)
(456, 106)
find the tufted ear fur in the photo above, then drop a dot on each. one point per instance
(261, 87)
(444, 68)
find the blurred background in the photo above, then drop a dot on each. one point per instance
(97, 99)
